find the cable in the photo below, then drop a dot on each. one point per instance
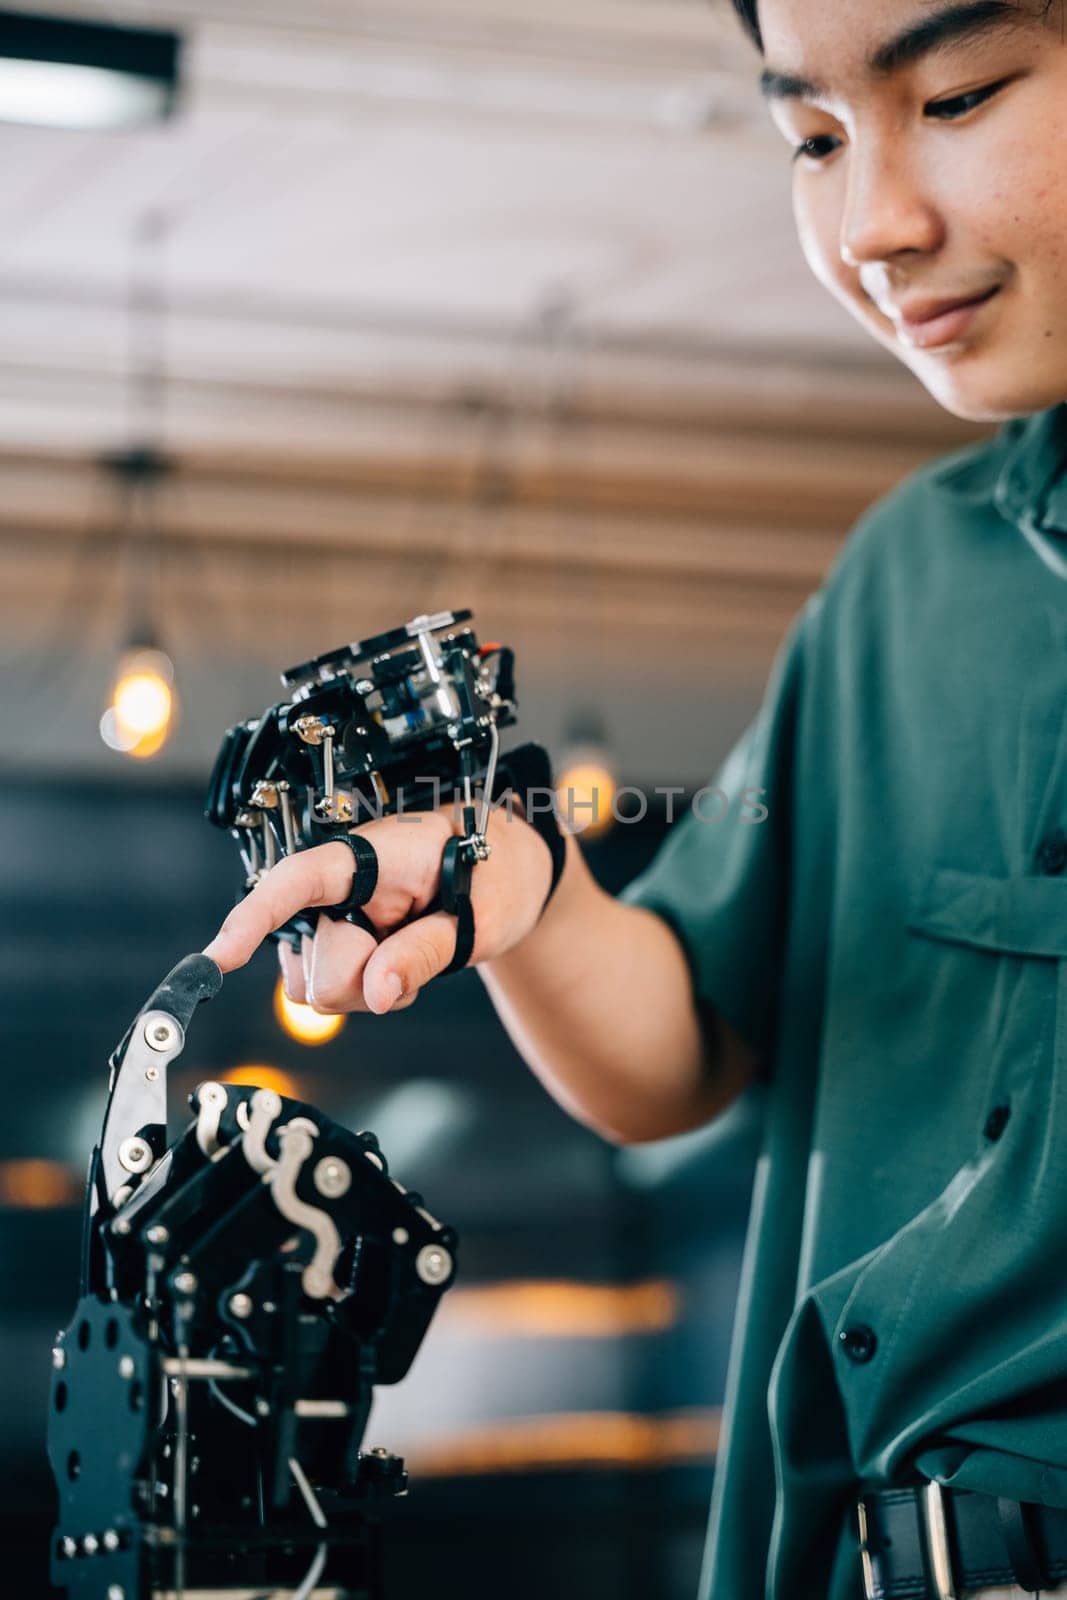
(231, 1405)
(314, 1572)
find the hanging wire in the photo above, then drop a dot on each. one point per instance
(60, 644)
(117, 547)
(143, 466)
(311, 1577)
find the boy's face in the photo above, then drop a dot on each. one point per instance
(933, 176)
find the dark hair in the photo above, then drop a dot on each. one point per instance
(746, 10)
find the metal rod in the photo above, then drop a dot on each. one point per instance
(180, 1391)
(287, 819)
(327, 762)
(200, 1367)
(490, 774)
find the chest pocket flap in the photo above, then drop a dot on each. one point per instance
(1024, 916)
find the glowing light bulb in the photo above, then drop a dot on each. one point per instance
(302, 1023)
(260, 1076)
(143, 706)
(585, 792)
(142, 703)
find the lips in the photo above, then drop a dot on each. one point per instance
(928, 323)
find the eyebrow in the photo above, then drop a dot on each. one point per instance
(911, 44)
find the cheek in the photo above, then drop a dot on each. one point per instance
(1004, 189)
(817, 211)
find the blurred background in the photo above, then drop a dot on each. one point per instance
(313, 317)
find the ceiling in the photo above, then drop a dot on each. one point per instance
(448, 188)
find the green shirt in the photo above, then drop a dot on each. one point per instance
(892, 941)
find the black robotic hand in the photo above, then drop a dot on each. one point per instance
(242, 1293)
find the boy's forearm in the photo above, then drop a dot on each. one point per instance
(599, 1002)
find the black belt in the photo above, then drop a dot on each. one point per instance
(931, 1543)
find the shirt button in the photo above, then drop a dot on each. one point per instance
(996, 1121)
(858, 1342)
(1052, 854)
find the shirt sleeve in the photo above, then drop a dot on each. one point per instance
(721, 879)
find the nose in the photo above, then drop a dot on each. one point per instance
(888, 210)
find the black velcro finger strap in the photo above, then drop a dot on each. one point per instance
(464, 914)
(364, 877)
(464, 935)
(360, 919)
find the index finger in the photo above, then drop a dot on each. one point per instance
(321, 876)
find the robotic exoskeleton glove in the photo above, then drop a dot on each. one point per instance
(385, 726)
(242, 1292)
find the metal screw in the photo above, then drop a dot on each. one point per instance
(380, 1451)
(333, 1177)
(68, 1547)
(160, 1034)
(115, 1591)
(110, 1540)
(241, 1305)
(127, 1366)
(151, 1073)
(401, 1236)
(263, 1408)
(311, 729)
(135, 1154)
(90, 1544)
(185, 1282)
(433, 1264)
(59, 1357)
(157, 1234)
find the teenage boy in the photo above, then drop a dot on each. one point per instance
(888, 948)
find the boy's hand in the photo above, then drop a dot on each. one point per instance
(342, 968)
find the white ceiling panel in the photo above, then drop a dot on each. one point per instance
(458, 171)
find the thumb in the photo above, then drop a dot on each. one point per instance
(408, 958)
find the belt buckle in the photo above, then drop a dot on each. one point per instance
(937, 1545)
(871, 1589)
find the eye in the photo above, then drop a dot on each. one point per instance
(958, 105)
(817, 148)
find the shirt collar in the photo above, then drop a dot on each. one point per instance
(1031, 489)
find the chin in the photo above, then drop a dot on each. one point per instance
(977, 390)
